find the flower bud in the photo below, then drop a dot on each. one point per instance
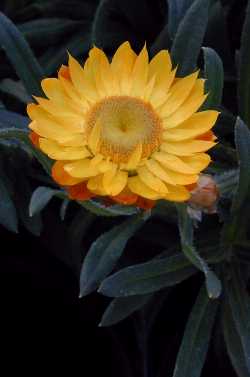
(205, 195)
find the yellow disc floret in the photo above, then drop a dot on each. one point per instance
(120, 124)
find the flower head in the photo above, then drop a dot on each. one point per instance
(126, 129)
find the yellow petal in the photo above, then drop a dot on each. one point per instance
(94, 137)
(49, 130)
(117, 183)
(96, 160)
(135, 158)
(151, 180)
(104, 166)
(177, 194)
(61, 176)
(53, 90)
(81, 169)
(77, 74)
(95, 185)
(197, 162)
(102, 73)
(72, 92)
(160, 67)
(174, 163)
(108, 177)
(149, 89)
(122, 66)
(53, 107)
(46, 125)
(187, 147)
(161, 93)
(177, 94)
(136, 185)
(84, 85)
(189, 106)
(77, 140)
(45, 130)
(159, 171)
(90, 90)
(196, 125)
(68, 118)
(140, 74)
(58, 152)
(180, 178)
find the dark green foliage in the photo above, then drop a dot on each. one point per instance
(41, 197)
(20, 55)
(176, 12)
(214, 74)
(196, 337)
(105, 252)
(233, 343)
(186, 233)
(244, 71)
(8, 214)
(101, 209)
(185, 50)
(122, 307)
(242, 141)
(147, 277)
(238, 302)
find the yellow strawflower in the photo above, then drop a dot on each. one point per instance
(127, 130)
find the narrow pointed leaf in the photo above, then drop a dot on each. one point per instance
(147, 277)
(176, 12)
(77, 230)
(41, 197)
(242, 141)
(162, 42)
(227, 182)
(213, 284)
(234, 229)
(64, 208)
(101, 209)
(11, 119)
(244, 70)
(195, 342)
(185, 50)
(105, 252)
(47, 31)
(233, 343)
(239, 301)
(22, 198)
(20, 56)
(15, 89)
(214, 75)
(122, 307)
(23, 136)
(51, 60)
(8, 214)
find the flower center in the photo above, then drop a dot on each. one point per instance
(124, 123)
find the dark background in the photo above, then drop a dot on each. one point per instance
(44, 325)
